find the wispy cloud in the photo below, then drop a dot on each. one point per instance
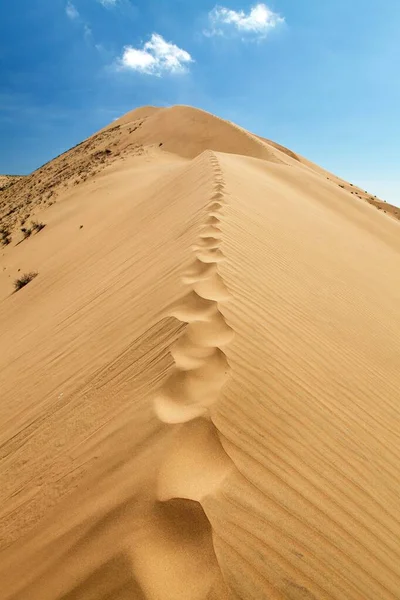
(108, 3)
(87, 33)
(73, 14)
(258, 22)
(156, 57)
(71, 11)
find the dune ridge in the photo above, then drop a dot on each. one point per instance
(201, 367)
(195, 463)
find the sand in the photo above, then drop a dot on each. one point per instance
(200, 389)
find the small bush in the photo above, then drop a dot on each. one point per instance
(24, 280)
(26, 232)
(36, 227)
(5, 236)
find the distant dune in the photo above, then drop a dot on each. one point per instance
(199, 378)
(8, 180)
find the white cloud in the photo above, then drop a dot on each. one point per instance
(71, 11)
(258, 21)
(156, 57)
(108, 3)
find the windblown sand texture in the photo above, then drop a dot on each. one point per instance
(200, 390)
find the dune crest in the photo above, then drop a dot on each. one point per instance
(195, 464)
(201, 367)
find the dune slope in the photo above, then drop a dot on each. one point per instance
(200, 388)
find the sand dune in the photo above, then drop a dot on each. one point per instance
(200, 388)
(180, 130)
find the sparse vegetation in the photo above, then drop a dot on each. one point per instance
(36, 226)
(6, 181)
(24, 280)
(341, 186)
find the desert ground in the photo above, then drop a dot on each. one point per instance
(200, 383)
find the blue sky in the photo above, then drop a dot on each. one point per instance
(319, 76)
